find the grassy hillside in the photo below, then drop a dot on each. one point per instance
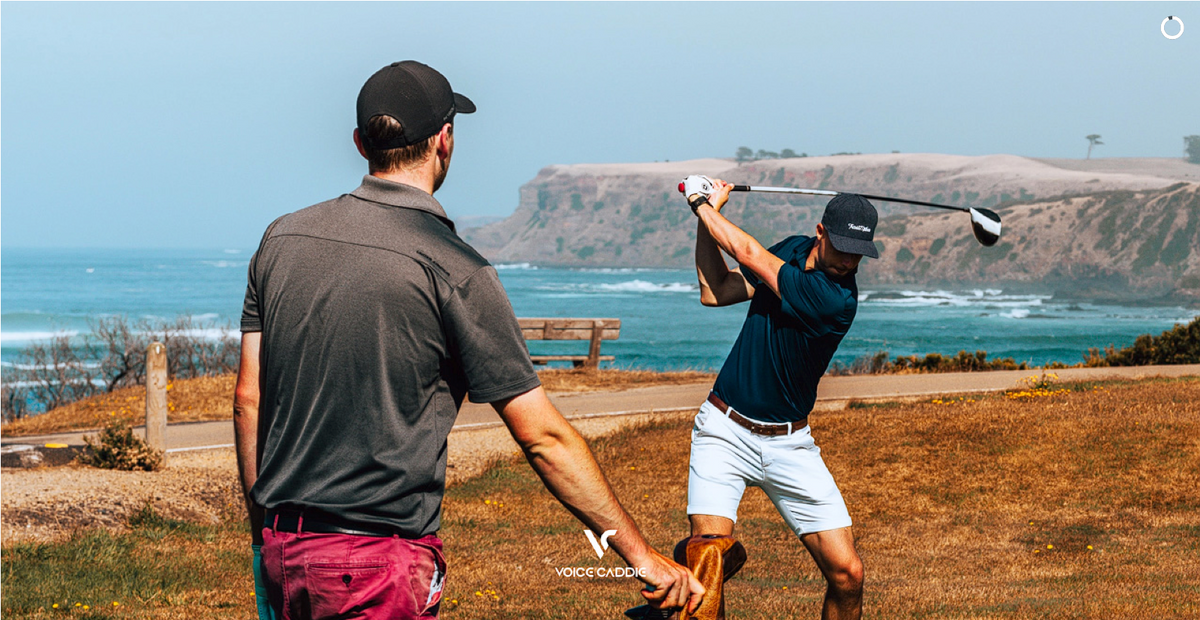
(1123, 245)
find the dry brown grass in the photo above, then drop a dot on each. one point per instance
(190, 400)
(980, 507)
(211, 398)
(583, 380)
(955, 502)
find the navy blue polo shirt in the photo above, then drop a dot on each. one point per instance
(787, 342)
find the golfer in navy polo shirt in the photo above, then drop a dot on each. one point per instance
(753, 429)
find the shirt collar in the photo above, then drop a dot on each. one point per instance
(800, 258)
(390, 193)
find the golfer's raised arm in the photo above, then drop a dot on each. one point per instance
(562, 459)
(745, 249)
(719, 285)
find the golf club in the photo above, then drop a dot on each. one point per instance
(984, 222)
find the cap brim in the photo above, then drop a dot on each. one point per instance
(850, 245)
(462, 105)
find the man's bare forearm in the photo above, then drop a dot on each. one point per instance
(745, 249)
(711, 269)
(567, 467)
(245, 426)
(245, 433)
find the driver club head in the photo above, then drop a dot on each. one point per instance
(986, 225)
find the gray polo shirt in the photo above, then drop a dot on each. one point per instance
(376, 320)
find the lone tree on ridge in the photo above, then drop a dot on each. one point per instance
(1093, 140)
(1191, 146)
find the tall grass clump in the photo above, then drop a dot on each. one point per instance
(116, 447)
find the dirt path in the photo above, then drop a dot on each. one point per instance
(50, 502)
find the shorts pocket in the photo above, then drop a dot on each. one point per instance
(427, 578)
(703, 418)
(338, 588)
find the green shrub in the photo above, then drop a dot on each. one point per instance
(1178, 345)
(878, 363)
(116, 447)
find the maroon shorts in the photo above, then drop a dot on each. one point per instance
(310, 575)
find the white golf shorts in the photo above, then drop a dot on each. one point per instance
(788, 468)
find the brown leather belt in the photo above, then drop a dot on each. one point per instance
(758, 428)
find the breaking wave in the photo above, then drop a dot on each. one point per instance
(994, 298)
(630, 286)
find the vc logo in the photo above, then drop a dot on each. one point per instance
(602, 545)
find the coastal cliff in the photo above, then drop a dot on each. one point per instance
(1122, 229)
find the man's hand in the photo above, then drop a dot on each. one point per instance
(671, 586)
(720, 194)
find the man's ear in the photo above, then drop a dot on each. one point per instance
(444, 140)
(820, 230)
(358, 143)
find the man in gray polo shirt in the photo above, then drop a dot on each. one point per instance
(366, 322)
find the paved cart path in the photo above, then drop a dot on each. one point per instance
(834, 393)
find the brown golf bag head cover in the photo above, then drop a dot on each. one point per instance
(714, 559)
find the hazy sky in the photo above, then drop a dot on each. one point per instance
(195, 125)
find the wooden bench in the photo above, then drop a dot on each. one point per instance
(592, 330)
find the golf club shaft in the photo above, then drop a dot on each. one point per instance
(825, 192)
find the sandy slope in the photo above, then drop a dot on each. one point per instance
(1166, 167)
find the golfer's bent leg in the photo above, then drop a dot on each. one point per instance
(722, 459)
(711, 524)
(836, 557)
(713, 556)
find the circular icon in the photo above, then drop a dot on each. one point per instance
(1163, 27)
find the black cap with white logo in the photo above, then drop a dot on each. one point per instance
(850, 221)
(414, 94)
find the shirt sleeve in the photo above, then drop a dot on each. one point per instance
(486, 340)
(251, 311)
(817, 302)
(251, 316)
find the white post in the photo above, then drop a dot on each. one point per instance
(156, 396)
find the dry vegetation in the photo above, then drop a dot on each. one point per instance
(189, 400)
(555, 380)
(211, 398)
(1056, 501)
(964, 508)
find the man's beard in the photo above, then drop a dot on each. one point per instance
(437, 183)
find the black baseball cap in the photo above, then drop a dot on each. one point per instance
(414, 94)
(850, 221)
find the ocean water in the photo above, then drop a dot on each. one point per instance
(663, 325)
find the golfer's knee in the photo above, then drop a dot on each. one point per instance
(847, 579)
